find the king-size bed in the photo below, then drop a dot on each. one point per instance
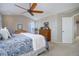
(23, 44)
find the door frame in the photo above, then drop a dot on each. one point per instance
(74, 35)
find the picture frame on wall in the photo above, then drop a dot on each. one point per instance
(19, 26)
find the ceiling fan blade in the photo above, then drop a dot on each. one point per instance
(28, 12)
(24, 12)
(24, 9)
(36, 11)
(20, 7)
(33, 6)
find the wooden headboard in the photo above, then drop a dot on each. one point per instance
(20, 31)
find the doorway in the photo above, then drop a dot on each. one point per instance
(76, 18)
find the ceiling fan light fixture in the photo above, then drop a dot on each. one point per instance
(30, 12)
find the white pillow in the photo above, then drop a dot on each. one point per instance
(7, 31)
(4, 34)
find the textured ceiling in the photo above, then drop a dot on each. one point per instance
(48, 8)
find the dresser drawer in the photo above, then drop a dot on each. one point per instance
(46, 33)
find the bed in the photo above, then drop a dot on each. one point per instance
(23, 44)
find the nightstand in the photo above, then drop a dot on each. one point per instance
(20, 31)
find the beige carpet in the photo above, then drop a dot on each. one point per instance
(57, 49)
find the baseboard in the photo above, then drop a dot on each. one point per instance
(58, 42)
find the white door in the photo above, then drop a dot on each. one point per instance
(67, 29)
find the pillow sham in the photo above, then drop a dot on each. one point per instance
(7, 32)
(4, 34)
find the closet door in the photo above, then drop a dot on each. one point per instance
(67, 29)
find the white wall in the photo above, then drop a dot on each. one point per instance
(0, 21)
(59, 28)
(11, 21)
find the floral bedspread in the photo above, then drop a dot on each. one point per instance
(16, 45)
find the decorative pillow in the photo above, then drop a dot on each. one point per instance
(4, 34)
(7, 31)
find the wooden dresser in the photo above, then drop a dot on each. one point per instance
(46, 33)
(20, 31)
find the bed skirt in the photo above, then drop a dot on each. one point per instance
(35, 53)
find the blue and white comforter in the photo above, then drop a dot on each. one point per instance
(15, 46)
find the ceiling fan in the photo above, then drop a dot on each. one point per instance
(31, 10)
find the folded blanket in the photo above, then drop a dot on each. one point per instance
(38, 40)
